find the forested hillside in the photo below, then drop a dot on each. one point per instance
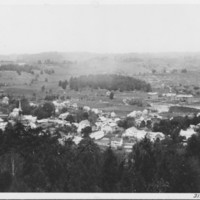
(109, 82)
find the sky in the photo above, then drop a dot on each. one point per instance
(100, 28)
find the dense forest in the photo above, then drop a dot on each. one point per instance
(109, 82)
(34, 161)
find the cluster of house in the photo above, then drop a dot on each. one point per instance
(187, 98)
(4, 100)
(105, 131)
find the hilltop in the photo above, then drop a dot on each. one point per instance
(127, 63)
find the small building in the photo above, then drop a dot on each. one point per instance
(5, 101)
(108, 93)
(107, 129)
(155, 135)
(63, 116)
(83, 124)
(169, 96)
(3, 125)
(105, 142)
(21, 64)
(152, 95)
(116, 142)
(135, 133)
(187, 98)
(77, 140)
(128, 146)
(187, 133)
(4, 116)
(97, 135)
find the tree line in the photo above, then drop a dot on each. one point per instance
(172, 127)
(109, 82)
(63, 84)
(18, 68)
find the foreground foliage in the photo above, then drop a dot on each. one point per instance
(35, 162)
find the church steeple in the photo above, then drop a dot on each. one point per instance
(20, 106)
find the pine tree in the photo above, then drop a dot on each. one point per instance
(109, 171)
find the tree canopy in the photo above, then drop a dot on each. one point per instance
(34, 161)
(109, 82)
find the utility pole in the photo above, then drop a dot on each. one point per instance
(20, 110)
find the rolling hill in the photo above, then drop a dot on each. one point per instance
(128, 63)
(70, 64)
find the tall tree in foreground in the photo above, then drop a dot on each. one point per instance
(85, 174)
(142, 165)
(109, 171)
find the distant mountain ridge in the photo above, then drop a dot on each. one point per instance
(129, 63)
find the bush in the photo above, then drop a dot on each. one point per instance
(137, 102)
(184, 70)
(126, 123)
(44, 111)
(63, 84)
(111, 95)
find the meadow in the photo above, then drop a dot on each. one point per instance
(71, 65)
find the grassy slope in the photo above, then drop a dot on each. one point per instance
(86, 63)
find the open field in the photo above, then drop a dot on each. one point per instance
(98, 99)
(22, 85)
(66, 65)
(156, 80)
(92, 98)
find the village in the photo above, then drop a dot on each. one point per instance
(105, 128)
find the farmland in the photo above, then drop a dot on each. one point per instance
(66, 65)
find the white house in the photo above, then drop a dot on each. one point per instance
(86, 108)
(116, 142)
(113, 114)
(134, 132)
(155, 135)
(97, 135)
(152, 95)
(63, 116)
(3, 125)
(5, 100)
(77, 139)
(187, 133)
(170, 96)
(128, 146)
(83, 124)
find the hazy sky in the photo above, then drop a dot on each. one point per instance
(99, 28)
